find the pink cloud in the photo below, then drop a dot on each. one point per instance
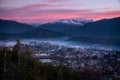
(55, 0)
(1, 1)
(40, 13)
(36, 6)
(4, 1)
(106, 14)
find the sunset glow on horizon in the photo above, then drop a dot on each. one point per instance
(42, 11)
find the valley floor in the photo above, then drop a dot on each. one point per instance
(94, 61)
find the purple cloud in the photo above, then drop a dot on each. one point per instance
(43, 13)
(55, 0)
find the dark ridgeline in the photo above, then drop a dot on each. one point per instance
(8, 26)
(64, 24)
(106, 31)
(61, 27)
(13, 29)
(108, 28)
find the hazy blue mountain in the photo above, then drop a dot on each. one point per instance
(65, 24)
(8, 26)
(61, 27)
(102, 28)
(109, 28)
(13, 29)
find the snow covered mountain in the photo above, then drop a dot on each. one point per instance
(65, 24)
(77, 21)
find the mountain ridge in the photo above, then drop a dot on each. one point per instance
(100, 28)
(13, 29)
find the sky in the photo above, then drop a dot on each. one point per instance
(43, 11)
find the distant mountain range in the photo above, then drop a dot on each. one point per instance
(101, 28)
(65, 27)
(79, 21)
(13, 29)
(64, 24)
(7, 26)
(109, 28)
